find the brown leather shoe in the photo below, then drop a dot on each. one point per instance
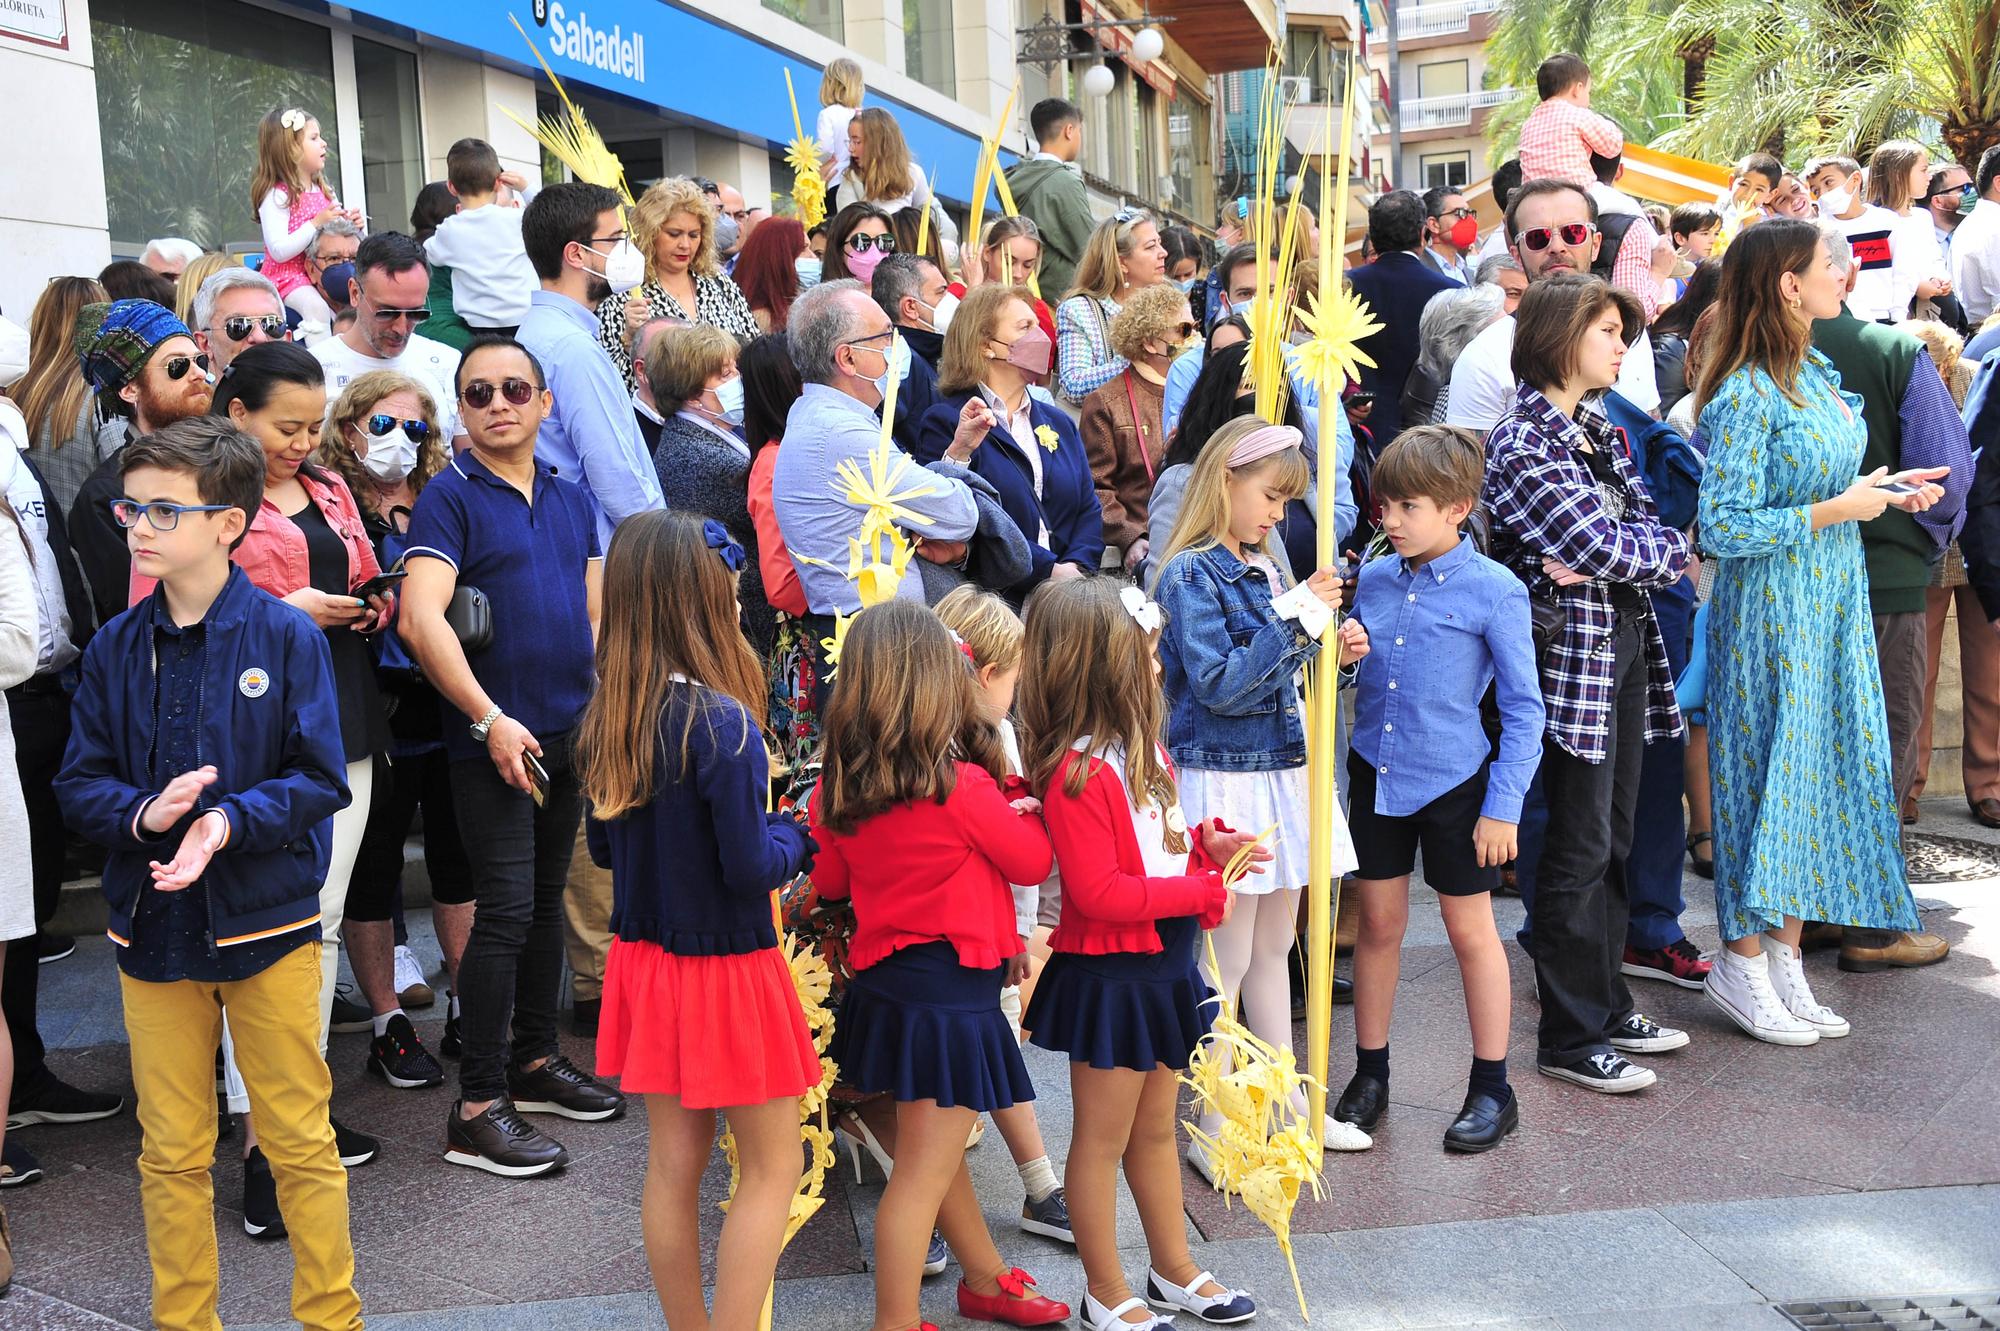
(1903, 949)
(1346, 927)
(1986, 813)
(1909, 813)
(1817, 934)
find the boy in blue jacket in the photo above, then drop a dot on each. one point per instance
(206, 756)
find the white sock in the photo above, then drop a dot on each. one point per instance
(382, 1020)
(1038, 1176)
(453, 1011)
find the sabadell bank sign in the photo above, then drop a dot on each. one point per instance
(609, 51)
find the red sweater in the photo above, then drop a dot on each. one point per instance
(926, 872)
(1108, 903)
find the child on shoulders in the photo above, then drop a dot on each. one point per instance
(1562, 131)
(492, 281)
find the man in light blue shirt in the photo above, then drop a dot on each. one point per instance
(590, 437)
(841, 341)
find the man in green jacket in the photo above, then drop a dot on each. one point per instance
(1048, 189)
(1911, 422)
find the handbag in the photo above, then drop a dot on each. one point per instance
(1547, 619)
(470, 615)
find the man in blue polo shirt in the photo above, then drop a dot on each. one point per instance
(499, 519)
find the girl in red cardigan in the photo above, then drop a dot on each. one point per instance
(914, 824)
(1122, 995)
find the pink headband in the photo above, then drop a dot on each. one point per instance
(1262, 442)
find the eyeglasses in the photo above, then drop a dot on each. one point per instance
(1186, 328)
(1961, 191)
(418, 431)
(388, 316)
(595, 241)
(177, 368)
(237, 327)
(163, 516)
(1571, 234)
(1458, 214)
(859, 244)
(479, 394)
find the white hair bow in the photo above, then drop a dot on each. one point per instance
(1144, 612)
(293, 120)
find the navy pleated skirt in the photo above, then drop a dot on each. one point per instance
(1125, 1009)
(920, 1026)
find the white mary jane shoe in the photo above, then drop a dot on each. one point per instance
(1224, 1309)
(1344, 1136)
(1096, 1317)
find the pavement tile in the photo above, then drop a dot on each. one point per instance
(29, 1311)
(1961, 1142)
(529, 1248)
(1721, 1317)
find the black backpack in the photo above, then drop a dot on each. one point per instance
(1612, 227)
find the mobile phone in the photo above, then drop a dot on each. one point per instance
(378, 585)
(1897, 487)
(538, 777)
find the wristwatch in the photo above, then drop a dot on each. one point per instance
(484, 725)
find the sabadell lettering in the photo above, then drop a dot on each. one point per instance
(610, 52)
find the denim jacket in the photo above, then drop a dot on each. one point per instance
(1229, 664)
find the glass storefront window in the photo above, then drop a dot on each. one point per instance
(1188, 153)
(822, 16)
(180, 89)
(392, 160)
(927, 42)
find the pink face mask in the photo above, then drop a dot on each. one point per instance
(861, 264)
(1032, 352)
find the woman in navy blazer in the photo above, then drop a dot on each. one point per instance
(1032, 455)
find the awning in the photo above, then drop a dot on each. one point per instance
(1224, 35)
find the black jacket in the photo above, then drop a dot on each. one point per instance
(99, 542)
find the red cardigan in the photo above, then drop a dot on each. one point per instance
(924, 872)
(1108, 904)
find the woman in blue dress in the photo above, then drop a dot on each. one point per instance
(1805, 820)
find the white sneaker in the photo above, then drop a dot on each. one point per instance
(412, 990)
(1788, 981)
(1741, 987)
(1342, 1136)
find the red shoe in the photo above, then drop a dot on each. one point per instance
(1676, 963)
(1017, 1303)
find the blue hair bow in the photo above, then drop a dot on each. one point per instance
(724, 545)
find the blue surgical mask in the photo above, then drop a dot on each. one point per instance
(897, 360)
(808, 267)
(1186, 284)
(730, 395)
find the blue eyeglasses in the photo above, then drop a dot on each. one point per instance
(163, 516)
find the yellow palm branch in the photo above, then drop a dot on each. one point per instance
(570, 138)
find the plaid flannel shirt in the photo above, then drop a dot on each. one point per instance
(1545, 503)
(1558, 138)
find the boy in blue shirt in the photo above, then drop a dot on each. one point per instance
(206, 755)
(1445, 622)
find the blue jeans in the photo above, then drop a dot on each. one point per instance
(1652, 870)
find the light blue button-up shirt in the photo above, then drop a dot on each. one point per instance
(591, 436)
(825, 428)
(1437, 636)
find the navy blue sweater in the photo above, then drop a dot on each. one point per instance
(693, 868)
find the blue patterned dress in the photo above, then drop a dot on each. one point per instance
(1798, 742)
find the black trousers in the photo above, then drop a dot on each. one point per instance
(414, 780)
(1580, 911)
(39, 713)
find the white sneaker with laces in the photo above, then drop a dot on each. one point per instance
(412, 989)
(1741, 987)
(1788, 981)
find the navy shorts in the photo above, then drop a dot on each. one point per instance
(1387, 847)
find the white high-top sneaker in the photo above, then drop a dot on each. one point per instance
(1741, 987)
(1788, 981)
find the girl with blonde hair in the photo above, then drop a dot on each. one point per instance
(1124, 254)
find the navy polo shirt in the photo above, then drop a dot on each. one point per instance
(530, 561)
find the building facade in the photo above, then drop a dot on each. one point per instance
(1442, 97)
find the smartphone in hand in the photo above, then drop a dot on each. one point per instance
(538, 778)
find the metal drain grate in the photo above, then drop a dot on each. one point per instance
(1949, 859)
(1946, 1312)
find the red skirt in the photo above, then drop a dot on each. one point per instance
(714, 1030)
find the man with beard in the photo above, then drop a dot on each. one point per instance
(1551, 228)
(146, 368)
(391, 281)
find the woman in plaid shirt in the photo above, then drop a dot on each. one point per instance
(1572, 518)
(1124, 255)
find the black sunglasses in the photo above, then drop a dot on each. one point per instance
(479, 394)
(1571, 234)
(177, 367)
(860, 244)
(418, 431)
(238, 326)
(389, 316)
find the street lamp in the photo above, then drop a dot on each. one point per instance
(1047, 43)
(1098, 80)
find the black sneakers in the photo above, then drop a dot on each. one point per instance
(17, 1167)
(349, 1017)
(452, 1043)
(398, 1057)
(261, 1219)
(561, 1087)
(1609, 1073)
(48, 1099)
(501, 1142)
(356, 1148)
(1642, 1035)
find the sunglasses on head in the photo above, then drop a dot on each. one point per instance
(860, 244)
(418, 431)
(237, 327)
(1571, 234)
(479, 394)
(177, 367)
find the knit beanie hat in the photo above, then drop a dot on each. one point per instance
(114, 341)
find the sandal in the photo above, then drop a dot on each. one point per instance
(1704, 866)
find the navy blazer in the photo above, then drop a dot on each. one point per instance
(1068, 506)
(1396, 288)
(918, 392)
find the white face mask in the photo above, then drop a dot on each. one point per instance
(14, 352)
(941, 313)
(1835, 202)
(624, 267)
(390, 456)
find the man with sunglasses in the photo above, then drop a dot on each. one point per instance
(391, 283)
(1551, 228)
(235, 310)
(1951, 198)
(1975, 258)
(1450, 234)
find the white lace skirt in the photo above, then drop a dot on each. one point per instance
(1253, 801)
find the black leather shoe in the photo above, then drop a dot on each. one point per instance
(1343, 990)
(1363, 1101)
(583, 1017)
(1482, 1123)
(561, 1087)
(501, 1142)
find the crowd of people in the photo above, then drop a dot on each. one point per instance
(530, 520)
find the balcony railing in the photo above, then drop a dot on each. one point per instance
(1414, 22)
(1449, 112)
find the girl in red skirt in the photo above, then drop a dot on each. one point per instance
(699, 1009)
(914, 823)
